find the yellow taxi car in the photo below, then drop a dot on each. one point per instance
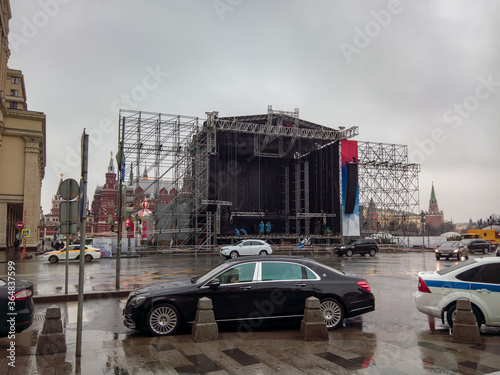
(73, 254)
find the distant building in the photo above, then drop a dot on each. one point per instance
(105, 201)
(22, 150)
(434, 217)
(104, 204)
(50, 226)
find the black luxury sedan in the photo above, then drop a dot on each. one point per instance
(16, 306)
(250, 290)
(452, 249)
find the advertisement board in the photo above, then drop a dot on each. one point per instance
(350, 188)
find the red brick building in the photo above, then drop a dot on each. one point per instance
(104, 204)
(434, 217)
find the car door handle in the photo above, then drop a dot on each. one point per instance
(301, 285)
(245, 287)
(483, 291)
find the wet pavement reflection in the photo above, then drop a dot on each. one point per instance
(393, 339)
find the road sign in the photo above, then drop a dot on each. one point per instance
(68, 216)
(68, 190)
(20, 225)
(26, 232)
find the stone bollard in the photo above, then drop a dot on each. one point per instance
(204, 326)
(313, 327)
(52, 339)
(465, 329)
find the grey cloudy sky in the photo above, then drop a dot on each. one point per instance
(421, 73)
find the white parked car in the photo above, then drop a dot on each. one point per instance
(476, 279)
(246, 247)
(73, 253)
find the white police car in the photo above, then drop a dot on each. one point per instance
(476, 279)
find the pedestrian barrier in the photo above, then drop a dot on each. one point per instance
(465, 329)
(204, 327)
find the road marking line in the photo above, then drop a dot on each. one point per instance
(73, 312)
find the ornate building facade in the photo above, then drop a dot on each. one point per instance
(22, 150)
(105, 202)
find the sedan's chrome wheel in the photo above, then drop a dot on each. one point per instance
(332, 312)
(263, 252)
(163, 320)
(234, 254)
(53, 259)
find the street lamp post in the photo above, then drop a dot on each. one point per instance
(422, 220)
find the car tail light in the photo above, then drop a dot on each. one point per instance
(364, 285)
(422, 286)
(23, 294)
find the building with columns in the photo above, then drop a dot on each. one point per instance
(22, 150)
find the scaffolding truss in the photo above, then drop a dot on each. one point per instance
(170, 154)
(389, 183)
(158, 152)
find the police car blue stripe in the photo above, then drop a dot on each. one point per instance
(449, 284)
(462, 285)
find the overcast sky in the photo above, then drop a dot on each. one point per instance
(421, 73)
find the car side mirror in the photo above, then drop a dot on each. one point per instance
(214, 284)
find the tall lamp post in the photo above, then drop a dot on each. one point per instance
(422, 220)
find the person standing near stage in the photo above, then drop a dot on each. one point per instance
(268, 228)
(261, 228)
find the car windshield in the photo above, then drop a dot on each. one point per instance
(444, 271)
(449, 245)
(209, 275)
(467, 241)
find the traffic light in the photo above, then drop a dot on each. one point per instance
(112, 226)
(129, 200)
(127, 225)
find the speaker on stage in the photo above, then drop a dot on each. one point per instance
(352, 187)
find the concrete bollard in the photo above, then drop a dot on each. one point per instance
(52, 339)
(204, 327)
(465, 329)
(313, 327)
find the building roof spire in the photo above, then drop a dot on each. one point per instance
(111, 167)
(433, 193)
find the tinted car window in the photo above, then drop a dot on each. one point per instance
(490, 274)
(310, 275)
(449, 245)
(444, 271)
(238, 274)
(468, 275)
(281, 271)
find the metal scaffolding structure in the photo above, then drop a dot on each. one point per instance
(168, 162)
(390, 183)
(170, 154)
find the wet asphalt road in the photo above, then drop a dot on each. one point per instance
(392, 277)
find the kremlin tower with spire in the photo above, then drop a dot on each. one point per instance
(434, 217)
